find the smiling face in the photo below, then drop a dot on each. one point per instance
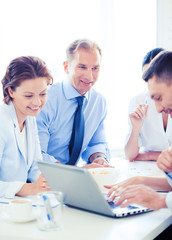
(29, 98)
(161, 93)
(83, 70)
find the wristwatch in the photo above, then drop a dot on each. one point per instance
(100, 156)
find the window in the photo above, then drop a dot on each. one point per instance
(124, 29)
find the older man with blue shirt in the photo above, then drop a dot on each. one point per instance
(55, 122)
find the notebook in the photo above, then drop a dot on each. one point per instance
(81, 190)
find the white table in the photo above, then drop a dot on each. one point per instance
(82, 225)
(143, 168)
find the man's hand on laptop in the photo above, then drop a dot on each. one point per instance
(142, 195)
(117, 188)
(132, 191)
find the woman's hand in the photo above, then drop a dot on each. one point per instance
(40, 185)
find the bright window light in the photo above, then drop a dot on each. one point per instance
(125, 30)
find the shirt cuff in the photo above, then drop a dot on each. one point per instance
(95, 149)
(48, 158)
(168, 200)
(13, 188)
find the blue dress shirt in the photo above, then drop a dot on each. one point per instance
(55, 123)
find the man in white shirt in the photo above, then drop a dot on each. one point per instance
(142, 190)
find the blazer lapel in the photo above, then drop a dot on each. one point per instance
(11, 110)
(19, 139)
(29, 142)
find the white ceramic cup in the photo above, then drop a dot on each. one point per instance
(20, 210)
(49, 210)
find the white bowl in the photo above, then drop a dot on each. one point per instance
(104, 176)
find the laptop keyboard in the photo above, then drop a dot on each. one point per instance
(121, 212)
(110, 202)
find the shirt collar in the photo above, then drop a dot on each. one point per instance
(12, 112)
(70, 92)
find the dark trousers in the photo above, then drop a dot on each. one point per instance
(165, 235)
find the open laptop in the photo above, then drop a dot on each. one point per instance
(81, 190)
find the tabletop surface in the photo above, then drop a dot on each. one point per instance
(82, 225)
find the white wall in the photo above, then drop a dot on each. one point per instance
(125, 30)
(164, 24)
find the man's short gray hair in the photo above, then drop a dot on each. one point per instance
(81, 44)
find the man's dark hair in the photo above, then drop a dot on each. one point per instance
(150, 55)
(161, 67)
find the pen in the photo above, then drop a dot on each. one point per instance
(4, 202)
(144, 109)
(33, 205)
(48, 208)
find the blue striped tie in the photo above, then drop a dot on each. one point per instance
(77, 137)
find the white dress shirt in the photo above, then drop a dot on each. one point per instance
(152, 136)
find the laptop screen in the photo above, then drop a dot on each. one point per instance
(81, 190)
